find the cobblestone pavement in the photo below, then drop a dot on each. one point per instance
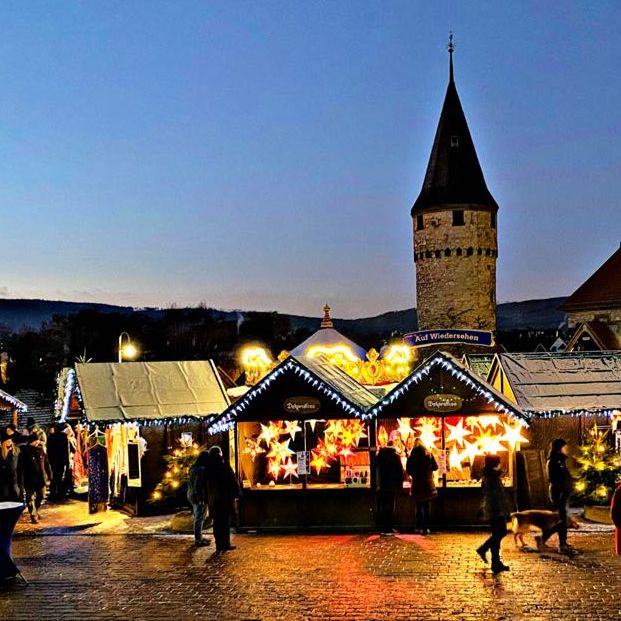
(274, 577)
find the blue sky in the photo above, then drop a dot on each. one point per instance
(265, 155)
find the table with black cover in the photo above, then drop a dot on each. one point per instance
(9, 514)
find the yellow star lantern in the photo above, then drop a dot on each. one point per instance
(489, 443)
(269, 432)
(457, 433)
(382, 436)
(488, 421)
(455, 458)
(318, 461)
(280, 451)
(291, 428)
(273, 468)
(405, 427)
(513, 435)
(427, 434)
(471, 450)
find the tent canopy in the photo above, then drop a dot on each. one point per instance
(130, 391)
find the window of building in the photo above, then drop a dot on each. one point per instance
(447, 252)
(458, 217)
(493, 219)
(458, 252)
(420, 223)
(469, 252)
(454, 141)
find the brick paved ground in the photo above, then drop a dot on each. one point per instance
(292, 577)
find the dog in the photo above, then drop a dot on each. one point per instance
(522, 521)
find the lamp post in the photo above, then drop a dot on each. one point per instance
(128, 350)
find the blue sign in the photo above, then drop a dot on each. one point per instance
(449, 337)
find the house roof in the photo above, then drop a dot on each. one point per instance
(135, 391)
(598, 333)
(479, 363)
(566, 382)
(453, 175)
(10, 402)
(478, 395)
(316, 375)
(601, 290)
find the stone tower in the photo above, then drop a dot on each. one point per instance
(454, 218)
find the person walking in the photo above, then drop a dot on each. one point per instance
(615, 516)
(496, 511)
(222, 490)
(58, 456)
(561, 485)
(33, 471)
(10, 490)
(34, 427)
(197, 497)
(389, 479)
(421, 465)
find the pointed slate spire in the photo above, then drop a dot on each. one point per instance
(454, 175)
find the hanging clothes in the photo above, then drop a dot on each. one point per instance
(80, 457)
(98, 492)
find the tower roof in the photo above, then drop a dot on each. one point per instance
(601, 290)
(454, 175)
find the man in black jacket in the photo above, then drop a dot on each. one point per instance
(389, 479)
(33, 470)
(58, 456)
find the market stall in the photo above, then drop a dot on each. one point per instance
(460, 419)
(132, 414)
(300, 448)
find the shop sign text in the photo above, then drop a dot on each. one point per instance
(302, 405)
(449, 337)
(443, 403)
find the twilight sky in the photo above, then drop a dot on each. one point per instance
(265, 155)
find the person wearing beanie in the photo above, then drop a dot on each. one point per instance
(561, 485)
(9, 486)
(33, 427)
(33, 471)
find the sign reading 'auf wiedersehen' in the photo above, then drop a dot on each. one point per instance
(449, 337)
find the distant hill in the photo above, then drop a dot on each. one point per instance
(16, 315)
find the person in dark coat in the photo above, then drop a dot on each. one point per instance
(197, 496)
(496, 511)
(10, 490)
(389, 479)
(58, 456)
(421, 465)
(222, 490)
(561, 485)
(33, 471)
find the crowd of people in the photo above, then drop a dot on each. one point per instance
(33, 461)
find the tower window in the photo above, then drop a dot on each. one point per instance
(458, 217)
(454, 141)
(428, 254)
(488, 252)
(458, 252)
(447, 252)
(469, 252)
(438, 254)
(480, 251)
(493, 219)
(420, 223)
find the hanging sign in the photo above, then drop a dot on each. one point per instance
(302, 458)
(443, 403)
(424, 338)
(302, 405)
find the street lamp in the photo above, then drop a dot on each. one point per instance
(128, 350)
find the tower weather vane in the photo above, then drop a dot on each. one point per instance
(450, 47)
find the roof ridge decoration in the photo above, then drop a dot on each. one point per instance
(454, 175)
(20, 406)
(326, 321)
(226, 420)
(447, 362)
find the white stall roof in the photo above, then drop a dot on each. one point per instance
(565, 382)
(150, 390)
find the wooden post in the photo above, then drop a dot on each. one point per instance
(15, 417)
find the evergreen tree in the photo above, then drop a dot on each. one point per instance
(599, 469)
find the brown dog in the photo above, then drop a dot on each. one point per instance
(522, 521)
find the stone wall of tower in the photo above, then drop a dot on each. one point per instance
(456, 270)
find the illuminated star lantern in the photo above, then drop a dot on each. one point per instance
(405, 427)
(280, 451)
(273, 468)
(471, 450)
(269, 432)
(457, 432)
(253, 448)
(513, 435)
(318, 461)
(332, 428)
(382, 436)
(489, 421)
(291, 428)
(346, 452)
(490, 443)
(427, 434)
(290, 469)
(455, 458)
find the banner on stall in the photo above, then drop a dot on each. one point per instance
(424, 338)
(303, 458)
